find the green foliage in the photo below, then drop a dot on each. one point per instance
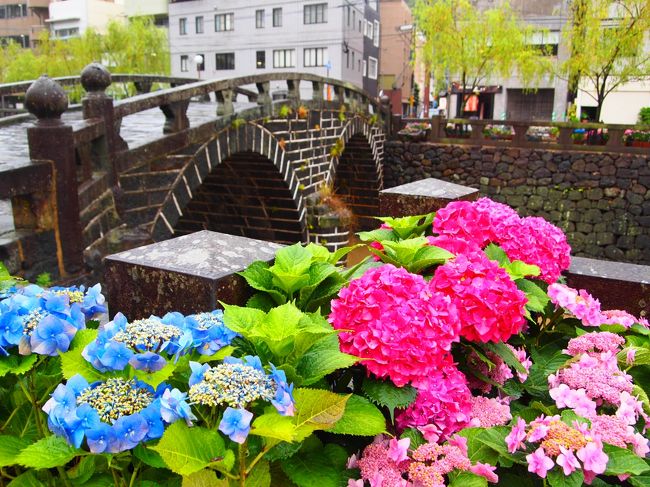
(10, 448)
(7, 280)
(44, 279)
(622, 461)
(644, 116)
(187, 450)
(547, 360)
(306, 274)
(326, 464)
(317, 409)
(414, 254)
(361, 418)
(388, 395)
(17, 364)
(556, 478)
(285, 111)
(51, 451)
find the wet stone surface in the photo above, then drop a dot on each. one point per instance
(423, 196)
(187, 274)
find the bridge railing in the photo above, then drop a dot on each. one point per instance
(72, 163)
(594, 137)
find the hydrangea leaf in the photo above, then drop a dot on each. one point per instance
(323, 358)
(219, 355)
(639, 481)
(641, 356)
(258, 276)
(546, 361)
(409, 226)
(519, 269)
(17, 364)
(378, 235)
(508, 356)
(556, 478)
(203, 478)
(427, 257)
(80, 473)
(154, 379)
(413, 434)
(187, 450)
(49, 452)
(241, 320)
(361, 418)
(317, 409)
(477, 451)
(148, 456)
(318, 252)
(467, 479)
(26, 479)
(290, 270)
(260, 476)
(342, 252)
(10, 447)
(273, 425)
(537, 297)
(623, 461)
(385, 393)
(303, 468)
(495, 438)
(496, 253)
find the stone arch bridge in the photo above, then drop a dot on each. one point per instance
(220, 155)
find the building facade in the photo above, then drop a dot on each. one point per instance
(22, 21)
(397, 39)
(70, 18)
(260, 36)
(157, 9)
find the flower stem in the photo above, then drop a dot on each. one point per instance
(255, 460)
(243, 452)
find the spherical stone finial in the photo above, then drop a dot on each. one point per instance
(95, 78)
(46, 99)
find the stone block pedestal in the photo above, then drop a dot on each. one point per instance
(421, 197)
(188, 274)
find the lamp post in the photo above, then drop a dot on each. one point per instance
(198, 60)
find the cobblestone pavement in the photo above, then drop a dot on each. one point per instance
(136, 130)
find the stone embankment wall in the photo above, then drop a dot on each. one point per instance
(601, 200)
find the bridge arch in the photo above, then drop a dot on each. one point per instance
(240, 182)
(357, 175)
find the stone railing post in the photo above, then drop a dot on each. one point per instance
(317, 89)
(51, 140)
(225, 105)
(565, 136)
(520, 132)
(339, 91)
(264, 99)
(293, 92)
(384, 112)
(95, 79)
(615, 137)
(436, 121)
(175, 116)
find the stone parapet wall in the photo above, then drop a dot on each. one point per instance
(601, 200)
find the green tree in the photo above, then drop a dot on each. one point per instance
(607, 46)
(474, 46)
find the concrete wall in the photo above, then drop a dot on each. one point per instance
(601, 200)
(395, 69)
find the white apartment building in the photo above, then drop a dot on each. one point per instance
(251, 37)
(70, 18)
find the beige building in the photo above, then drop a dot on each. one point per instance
(397, 42)
(22, 20)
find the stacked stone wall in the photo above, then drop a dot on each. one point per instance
(601, 200)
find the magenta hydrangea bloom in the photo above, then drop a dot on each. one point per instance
(442, 407)
(490, 306)
(454, 245)
(463, 220)
(538, 242)
(579, 303)
(402, 329)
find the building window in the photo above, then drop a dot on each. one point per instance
(277, 17)
(198, 24)
(259, 19)
(284, 58)
(200, 66)
(353, 60)
(225, 60)
(260, 59)
(224, 22)
(359, 65)
(354, 18)
(182, 26)
(315, 57)
(365, 68)
(375, 39)
(315, 14)
(370, 30)
(361, 26)
(13, 11)
(66, 33)
(184, 64)
(372, 68)
(348, 16)
(347, 59)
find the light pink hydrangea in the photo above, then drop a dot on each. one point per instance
(580, 303)
(378, 468)
(616, 431)
(442, 407)
(402, 329)
(488, 412)
(595, 343)
(539, 463)
(538, 242)
(490, 306)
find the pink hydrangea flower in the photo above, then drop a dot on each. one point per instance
(499, 373)
(619, 317)
(401, 327)
(485, 470)
(539, 463)
(488, 412)
(443, 402)
(630, 355)
(568, 461)
(565, 397)
(538, 242)
(525, 361)
(580, 303)
(454, 245)
(594, 343)
(490, 306)
(613, 430)
(378, 468)
(398, 449)
(463, 220)
(516, 437)
(593, 457)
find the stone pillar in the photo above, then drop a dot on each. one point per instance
(53, 141)
(421, 197)
(225, 105)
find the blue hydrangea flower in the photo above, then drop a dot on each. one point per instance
(209, 333)
(198, 372)
(114, 415)
(236, 424)
(145, 344)
(38, 321)
(173, 406)
(283, 401)
(91, 300)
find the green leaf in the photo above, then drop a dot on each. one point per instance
(81, 472)
(385, 393)
(27, 479)
(323, 358)
(52, 451)
(187, 450)
(241, 320)
(537, 297)
(154, 379)
(10, 447)
(317, 409)
(477, 451)
(556, 478)
(494, 252)
(260, 476)
(342, 252)
(641, 356)
(640, 481)
(546, 361)
(427, 257)
(378, 235)
(304, 468)
(623, 461)
(148, 456)
(220, 354)
(519, 270)
(495, 438)
(258, 276)
(17, 364)
(639, 329)
(409, 226)
(468, 479)
(361, 418)
(203, 478)
(273, 425)
(290, 271)
(73, 363)
(417, 439)
(508, 356)
(319, 253)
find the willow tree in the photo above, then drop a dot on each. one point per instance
(476, 46)
(608, 45)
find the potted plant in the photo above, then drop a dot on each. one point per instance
(415, 131)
